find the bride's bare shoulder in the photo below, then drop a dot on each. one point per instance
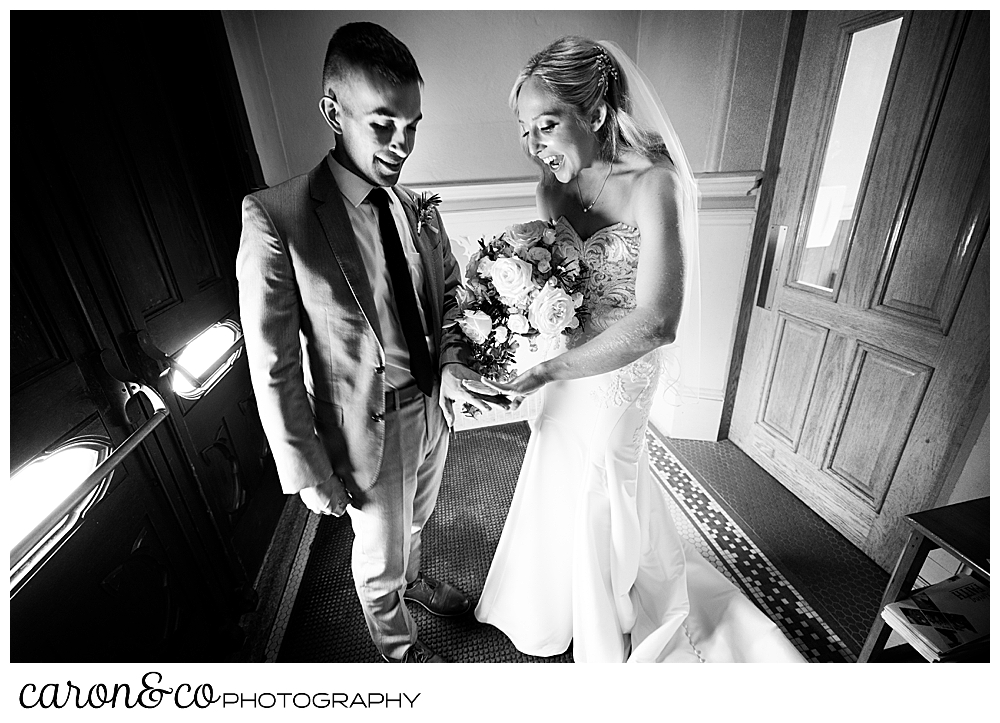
(658, 179)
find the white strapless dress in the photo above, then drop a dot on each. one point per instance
(589, 553)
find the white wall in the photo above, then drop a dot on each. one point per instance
(726, 218)
(468, 59)
(714, 70)
(971, 474)
(690, 57)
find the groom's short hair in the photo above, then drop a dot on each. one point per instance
(369, 47)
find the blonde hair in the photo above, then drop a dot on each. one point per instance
(581, 74)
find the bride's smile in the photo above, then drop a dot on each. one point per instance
(554, 135)
(553, 162)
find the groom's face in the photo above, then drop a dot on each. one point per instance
(376, 126)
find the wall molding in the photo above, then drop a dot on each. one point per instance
(482, 196)
(729, 190)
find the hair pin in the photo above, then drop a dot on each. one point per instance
(606, 66)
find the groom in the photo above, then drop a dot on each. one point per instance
(347, 295)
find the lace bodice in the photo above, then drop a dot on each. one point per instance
(610, 256)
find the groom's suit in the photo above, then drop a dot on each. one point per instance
(317, 358)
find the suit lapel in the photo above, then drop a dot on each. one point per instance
(426, 242)
(344, 244)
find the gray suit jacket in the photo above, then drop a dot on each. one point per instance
(313, 339)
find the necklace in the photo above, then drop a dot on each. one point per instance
(586, 209)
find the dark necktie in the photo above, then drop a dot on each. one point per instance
(402, 293)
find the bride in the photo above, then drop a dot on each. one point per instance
(589, 553)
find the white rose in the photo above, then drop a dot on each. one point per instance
(551, 311)
(485, 268)
(476, 325)
(512, 278)
(518, 324)
(577, 300)
(522, 235)
(500, 334)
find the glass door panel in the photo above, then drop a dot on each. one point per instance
(824, 245)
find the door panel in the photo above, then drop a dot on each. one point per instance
(928, 57)
(856, 393)
(922, 278)
(798, 352)
(867, 443)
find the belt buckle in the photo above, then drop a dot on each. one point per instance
(396, 398)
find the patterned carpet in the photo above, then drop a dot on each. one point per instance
(325, 624)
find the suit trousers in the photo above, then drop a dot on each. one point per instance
(388, 520)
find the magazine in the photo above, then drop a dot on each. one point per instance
(943, 620)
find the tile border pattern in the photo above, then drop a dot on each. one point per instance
(745, 563)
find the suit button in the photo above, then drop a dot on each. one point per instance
(378, 417)
(380, 369)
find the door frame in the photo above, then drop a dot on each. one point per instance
(794, 33)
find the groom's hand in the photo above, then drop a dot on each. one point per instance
(327, 498)
(520, 387)
(452, 376)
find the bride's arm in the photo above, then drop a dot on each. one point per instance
(659, 292)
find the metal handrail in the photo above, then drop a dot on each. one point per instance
(37, 535)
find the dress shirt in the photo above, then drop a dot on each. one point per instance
(364, 220)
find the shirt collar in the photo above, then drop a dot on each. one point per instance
(354, 188)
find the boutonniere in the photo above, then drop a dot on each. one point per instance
(425, 210)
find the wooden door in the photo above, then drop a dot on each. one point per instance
(163, 99)
(130, 160)
(868, 345)
(124, 582)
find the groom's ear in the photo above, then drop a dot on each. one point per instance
(330, 109)
(600, 115)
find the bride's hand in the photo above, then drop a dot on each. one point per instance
(517, 389)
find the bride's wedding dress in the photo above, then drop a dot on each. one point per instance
(589, 552)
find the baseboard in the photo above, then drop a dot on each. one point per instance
(272, 581)
(698, 420)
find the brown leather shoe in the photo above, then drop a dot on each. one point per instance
(439, 598)
(418, 653)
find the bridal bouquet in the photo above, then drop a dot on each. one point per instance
(522, 284)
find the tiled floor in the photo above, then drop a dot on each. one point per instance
(749, 566)
(838, 580)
